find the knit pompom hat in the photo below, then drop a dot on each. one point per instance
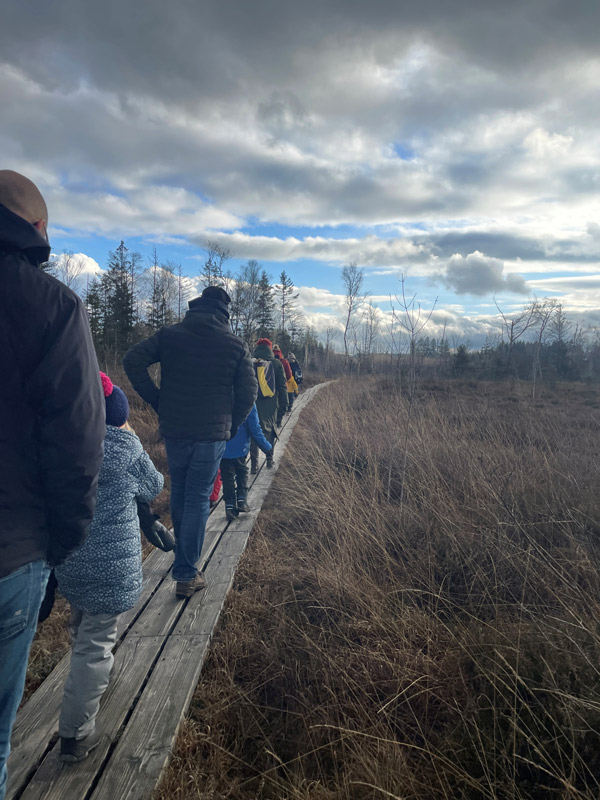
(117, 407)
(266, 342)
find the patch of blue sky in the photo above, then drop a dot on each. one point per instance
(403, 151)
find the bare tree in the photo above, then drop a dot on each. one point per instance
(352, 278)
(412, 320)
(543, 311)
(216, 256)
(514, 327)
(68, 269)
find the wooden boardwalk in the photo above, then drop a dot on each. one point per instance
(162, 646)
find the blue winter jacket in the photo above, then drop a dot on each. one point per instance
(239, 446)
(105, 575)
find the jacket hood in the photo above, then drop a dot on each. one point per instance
(121, 448)
(206, 316)
(19, 236)
(264, 352)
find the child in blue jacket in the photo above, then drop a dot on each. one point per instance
(234, 470)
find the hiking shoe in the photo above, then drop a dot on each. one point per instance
(73, 750)
(185, 589)
(230, 513)
(254, 469)
(243, 506)
(269, 462)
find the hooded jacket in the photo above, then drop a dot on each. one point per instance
(51, 406)
(207, 385)
(270, 409)
(105, 575)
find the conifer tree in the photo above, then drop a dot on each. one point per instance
(286, 303)
(265, 317)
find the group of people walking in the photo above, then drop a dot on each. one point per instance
(75, 479)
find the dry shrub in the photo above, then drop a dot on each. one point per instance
(417, 613)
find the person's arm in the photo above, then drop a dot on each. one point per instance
(148, 479)
(136, 362)
(245, 389)
(256, 432)
(65, 390)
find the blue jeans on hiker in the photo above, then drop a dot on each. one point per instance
(193, 468)
(21, 594)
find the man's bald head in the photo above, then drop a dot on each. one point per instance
(22, 197)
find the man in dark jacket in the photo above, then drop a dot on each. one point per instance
(51, 431)
(207, 389)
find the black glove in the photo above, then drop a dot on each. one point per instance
(48, 601)
(153, 529)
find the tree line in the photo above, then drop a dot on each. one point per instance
(131, 300)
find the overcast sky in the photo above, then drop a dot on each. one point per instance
(456, 143)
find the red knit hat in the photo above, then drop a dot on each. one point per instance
(266, 342)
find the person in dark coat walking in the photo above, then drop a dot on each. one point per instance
(206, 391)
(51, 431)
(271, 402)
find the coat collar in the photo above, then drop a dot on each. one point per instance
(19, 236)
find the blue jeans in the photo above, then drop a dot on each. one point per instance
(21, 594)
(193, 468)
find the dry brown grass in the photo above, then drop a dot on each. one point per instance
(417, 614)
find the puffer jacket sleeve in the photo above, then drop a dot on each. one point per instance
(256, 431)
(148, 479)
(66, 390)
(245, 389)
(136, 362)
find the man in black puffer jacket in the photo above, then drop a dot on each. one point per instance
(207, 390)
(51, 431)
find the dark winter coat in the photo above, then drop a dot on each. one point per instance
(271, 409)
(239, 446)
(207, 380)
(105, 575)
(51, 406)
(296, 371)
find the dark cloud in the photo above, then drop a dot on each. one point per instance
(480, 275)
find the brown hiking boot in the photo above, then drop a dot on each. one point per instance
(185, 589)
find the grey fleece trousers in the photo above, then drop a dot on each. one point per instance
(93, 637)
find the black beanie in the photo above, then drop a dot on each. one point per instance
(213, 297)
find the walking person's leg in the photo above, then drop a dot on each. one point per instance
(241, 477)
(94, 636)
(253, 458)
(179, 452)
(200, 477)
(271, 438)
(21, 594)
(291, 397)
(229, 490)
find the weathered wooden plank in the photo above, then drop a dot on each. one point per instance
(145, 746)
(56, 781)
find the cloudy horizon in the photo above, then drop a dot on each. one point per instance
(453, 144)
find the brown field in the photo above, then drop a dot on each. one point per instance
(417, 613)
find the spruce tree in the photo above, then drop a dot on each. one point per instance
(265, 318)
